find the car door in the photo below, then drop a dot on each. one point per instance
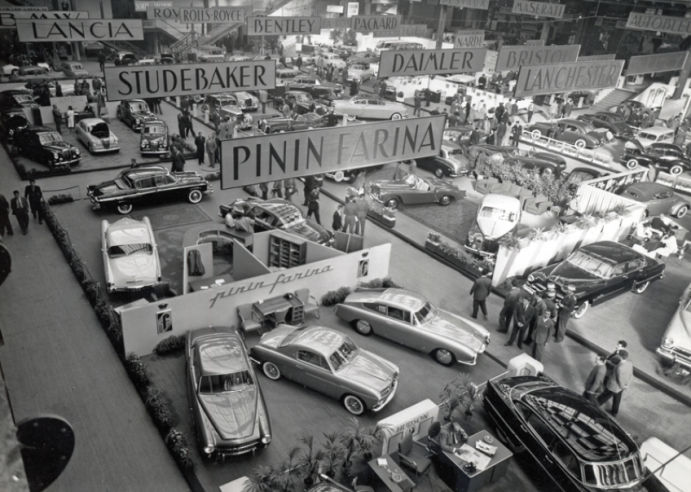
(166, 185)
(357, 108)
(146, 189)
(539, 437)
(376, 109)
(660, 203)
(401, 327)
(618, 282)
(313, 371)
(571, 133)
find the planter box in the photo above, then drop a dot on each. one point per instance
(386, 220)
(465, 267)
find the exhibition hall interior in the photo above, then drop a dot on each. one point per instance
(345, 246)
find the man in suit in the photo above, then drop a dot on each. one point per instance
(452, 437)
(543, 332)
(200, 142)
(362, 209)
(350, 216)
(620, 377)
(34, 195)
(566, 309)
(522, 316)
(481, 290)
(594, 383)
(337, 223)
(20, 209)
(5, 217)
(510, 302)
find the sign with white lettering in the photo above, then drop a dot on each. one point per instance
(142, 5)
(660, 62)
(264, 158)
(564, 77)
(470, 4)
(259, 26)
(353, 9)
(535, 42)
(470, 39)
(197, 14)
(334, 9)
(539, 9)
(512, 57)
(8, 19)
(394, 63)
(186, 79)
(663, 23)
(80, 30)
(597, 57)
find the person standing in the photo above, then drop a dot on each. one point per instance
(522, 317)
(481, 289)
(290, 188)
(566, 309)
(313, 205)
(645, 120)
(482, 116)
(178, 161)
(359, 183)
(277, 189)
(285, 110)
(417, 103)
(264, 188)
(513, 297)
(499, 111)
(354, 87)
(100, 103)
(5, 223)
(543, 332)
(102, 61)
(181, 124)
(501, 132)
(531, 109)
(20, 209)
(362, 209)
(200, 142)
(595, 382)
(57, 117)
(350, 216)
(553, 109)
(568, 107)
(337, 222)
(310, 184)
(70, 119)
(298, 62)
(516, 132)
(619, 380)
(211, 145)
(34, 195)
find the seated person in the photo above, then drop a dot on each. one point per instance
(643, 231)
(659, 224)
(451, 437)
(88, 109)
(244, 224)
(668, 247)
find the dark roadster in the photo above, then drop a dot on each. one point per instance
(413, 189)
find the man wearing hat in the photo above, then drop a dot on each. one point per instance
(543, 332)
(566, 309)
(481, 290)
(510, 302)
(546, 305)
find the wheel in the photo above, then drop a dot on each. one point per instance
(445, 200)
(632, 164)
(581, 310)
(444, 357)
(676, 170)
(195, 196)
(640, 288)
(271, 370)
(338, 176)
(580, 143)
(396, 116)
(536, 134)
(124, 208)
(354, 404)
(362, 327)
(681, 212)
(393, 203)
(439, 172)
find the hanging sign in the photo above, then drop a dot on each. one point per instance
(662, 23)
(364, 23)
(469, 4)
(535, 42)
(658, 63)
(353, 8)
(565, 77)
(197, 14)
(396, 63)
(539, 9)
(252, 160)
(8, 19)
(260, 26)
(80, 30)
(470, 39)
(334, 9)
(512, 57)
(22, 9)
(142, 5)
(597, 57)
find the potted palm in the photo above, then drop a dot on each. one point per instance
(358, 442)
(460, 394)
(334, 454)
(310, 460)
(262, 480)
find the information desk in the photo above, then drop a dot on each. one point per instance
(465, 481)
(391, 475)
(210, 283)
(282, 309)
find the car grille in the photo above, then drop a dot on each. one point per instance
(622, 473)
(682, 352)
(228, 450)
(387, 391)
(106, 143)
(248, 103)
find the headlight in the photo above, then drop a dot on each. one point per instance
(145, 143)
(266, 439)
(76, 151)
(115, 139)
(531, 278)
(668, 343)
(11, 132)
(209, 449)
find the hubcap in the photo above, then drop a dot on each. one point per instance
(363, 327)
(444, 356)
(353, 405)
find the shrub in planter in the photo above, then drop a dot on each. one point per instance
(136, 370)
(170, 345)
(334, 297)
(379, 283)
(158, 409)
(61, 198)
(177, 445)
(433, 236)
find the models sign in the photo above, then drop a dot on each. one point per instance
(79, 30)
(254, 160)
(568, 77)
(260, 26)
(471, 4)
(181, 80)
(192, 14)
(512, 57)
(430, 62)
(538, 9)
(8, 19)
(662, 23)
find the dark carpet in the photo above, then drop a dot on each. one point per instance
(172, 216)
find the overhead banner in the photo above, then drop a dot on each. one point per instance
(22, 9)
(252, 160)
(663, 23)
(260, 26)
(142, 5)
(8, 19)
(535, 42)
(353, 9)
(597, 57)
(414, 30)
(469, 4)
(564, 77)
(662, 62)
(396, 63)
(512, 57)
(538, 9)
(364, 23)
(80, 30)
(197, 14)
(136, 82)
(469, 39)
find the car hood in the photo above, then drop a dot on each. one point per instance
(461, 330)
(233, 414)
(58, 146)
(368, 369)
(565, 273)
(679, 329)
(152, 136)
(309, 230)
(493, 229)
(105, 188)
(134, 269)
(400, 185)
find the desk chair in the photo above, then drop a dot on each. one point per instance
(413, 457)
(247, 318)
(304, 296)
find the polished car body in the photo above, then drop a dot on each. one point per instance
(580, 174)
(96, 136)
(225, 397)
(658, 199)
(414, 189)
(246, 101)
(285, 75)
(281, 124)
(667, 157)
(676, 341)
(649, 136)
(575, 132)
(411, 320)
(46, 146)
(599, 271)
(567, 437)
(372, 107)
(476, 151)
(307, 83)
(450, 161)
(32, 71)
(497, 216)
(16, 99)
(328, 361)
(11, 121)
(72, 69)
(360, 72)
(147, 184)
(350, 175)
(133, 113)
(154, 138)
(300, 101)
(611, 121)
(363, 57)
(130, 255)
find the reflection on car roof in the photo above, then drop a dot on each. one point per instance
(318, 339)
(401, 298)
(611, 251)
(127, 231)
(221, 356)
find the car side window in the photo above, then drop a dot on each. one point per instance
(523, 410)
(375, 306)
(164, 180)
(312, 358)
(564, 454)
(399, 314)
(145, 183)
(541, 429)
(620, 269)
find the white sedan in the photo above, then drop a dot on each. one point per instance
(360, 72)
(372, 107)
(96, 136)
(247, 101)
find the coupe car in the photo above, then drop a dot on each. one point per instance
(461, 135)
(414, 189)
(658, 199)
(497, 216)
(611, 121)
(32, 71)
(307, 83)
(328, 361)
(371, 106)
(450, 161)
(46, 146)
(147, 184)
(285, 75)
(154, 138)
(130, 255)
(227, 403)
(95, 135)
(566, 437)
(281, 124)
(16, 99)
(11, 121)
(72, 69)
(676, 341)
(667, 157)
(575, 132)
(133, 113)
(411, 320)
(476, 151)
(277, 213)
(599, 271)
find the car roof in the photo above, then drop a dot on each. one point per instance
(128, 231)
(129, 101)
(41, 129)
(500, 201)
(400, 298)
(648, 188)
(155, 122)
(141, 172)
(665, 145)
(319, 339)
(611, 251)
(658, 130)
(220, 353)
(92, 121)
(12, 92)
(279, 207)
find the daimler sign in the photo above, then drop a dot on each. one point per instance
(394, 63)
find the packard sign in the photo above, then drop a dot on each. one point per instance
(469, 39)
(512, 57)
(470, 4)
(538, 9)
(430, 62)
(662, 23)
(363, 23)
(259, 26)
(252, 160)
(661, 62)
(197, 14)
(79, 30)
(565, 77)
(186, 79)
(8, 19)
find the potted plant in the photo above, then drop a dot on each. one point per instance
(358, 442)
(460, 394)
(261, 480)
(334, 454)
(310, 460)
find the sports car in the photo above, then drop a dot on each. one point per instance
(371, 106)
(147, 184)
(450, 161)
(11, 121)
(154, 138)
(575, 132)
(413, 189)
(461, 135)
(497, 216)
(667, 157)
(676, 341)
(411, 320)
(228, 405)
(130, 255)
(611, 121)
(659, 199)
(46, 146)
(301, 102)
(599, 271)
(328, 361)
(302, 122)
(134, 112)
(95, 135)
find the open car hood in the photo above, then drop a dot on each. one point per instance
(233, 414)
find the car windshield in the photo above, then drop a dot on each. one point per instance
(454, 151)
(495, 213)
(345, 354)
(425, 314)
(23, 98)
(139, 108)
(123, 183)
(76, 66)
(647, 136)
(155, 129)
(587, 263)
(227, 102)
(224, 383)
(49, 138)
(130, 250)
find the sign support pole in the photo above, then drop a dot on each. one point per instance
(683, 77)
(440, 26)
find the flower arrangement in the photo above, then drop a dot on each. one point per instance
(433, 236)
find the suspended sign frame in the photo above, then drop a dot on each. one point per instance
(269, 25)
(566, 77)
(46, 30)
(409, 63)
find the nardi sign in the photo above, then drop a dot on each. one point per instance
(254, 160)
(80, 30)
(662, 62)
(197, 14)
(512, 57)
(565, 77)
(429, 62)
(662, 23)
(8, 19)
(470, 4)
(259, 26)
(539, 9)
(187, 79)
(469, 39)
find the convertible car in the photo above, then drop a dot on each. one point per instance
(228, 405)
(130, 255)
(411, 320)
(413, 189)
(372, 107)
(133, 113)
(46, 146)
(328, 361)
(599, 271)
(676, 341)
(154, 138)
(497, 216)
(95, 135)
(611, 121)
(667, 157)
(659, 199)
(575, 132)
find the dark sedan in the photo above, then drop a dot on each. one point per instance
(301, 102)
(599, 271)
(302, 122)
(17, 99)
(544, 167)
(46, 146)
(611, 121)
(12, 121)
(133, 113)
(658, 199)
(308, 82)
(413, 189)
(667, 157)
(575, 132)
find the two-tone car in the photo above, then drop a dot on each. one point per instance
(229, 410)
(130, 255)
(371, 106)
(599, 272)
(44, 145)
(12, 121)
(578, 133)
(611, 121)
(658, 199)
(497, 216)
(654, 134)
(667, 157)
(282, 124)
(96, 136)
(413, 189)
(133, 113)
(299, 101)
(154, 138)
(676, 341)
(153, 184)
(328, 361)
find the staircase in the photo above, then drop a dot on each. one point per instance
(612, 99)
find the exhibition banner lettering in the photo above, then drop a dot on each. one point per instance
(661, 62)
(364, 23)
(539, 9)
(197, 14)
(142, 5)
(564, 77)
(470, 39)
(336, 22)
(414, 30)
(259, 26)
(252, 160)
(470, 4)
(80, 30)
(135, 82)
(512, 57)
(8, 19)
(395, 63)
(22, 9)
(662, 23)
